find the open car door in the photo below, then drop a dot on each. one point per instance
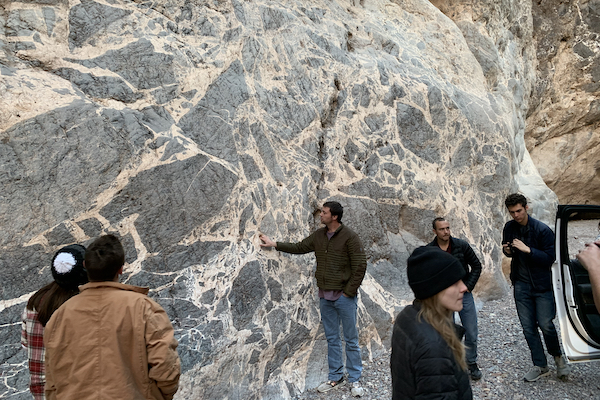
(578, 317)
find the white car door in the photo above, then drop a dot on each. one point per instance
(577, 315)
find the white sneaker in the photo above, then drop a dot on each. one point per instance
(357, 390)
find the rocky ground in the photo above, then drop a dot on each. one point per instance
(503, 358)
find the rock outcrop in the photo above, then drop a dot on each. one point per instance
(563, 123)
(189, 127)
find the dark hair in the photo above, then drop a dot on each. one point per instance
(336, 209)
(514, 199)
(47, 300)
(436, 220)
(103, 258)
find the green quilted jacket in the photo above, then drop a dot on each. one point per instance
(341, 260)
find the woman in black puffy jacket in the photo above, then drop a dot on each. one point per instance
(428, 357)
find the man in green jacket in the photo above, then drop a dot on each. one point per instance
(341, 266)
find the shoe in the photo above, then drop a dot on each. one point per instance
(562, 368)
(536, 373)
(327, 386)
(474, 372)
(357, 390)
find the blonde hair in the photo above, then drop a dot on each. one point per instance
(440, 318)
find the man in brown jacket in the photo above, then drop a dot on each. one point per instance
(112, 341)
(341, 267)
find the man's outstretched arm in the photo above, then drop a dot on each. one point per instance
(305, 246)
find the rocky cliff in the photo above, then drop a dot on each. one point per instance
(189, 127)
(563, 123)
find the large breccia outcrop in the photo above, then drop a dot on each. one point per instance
(189, 127)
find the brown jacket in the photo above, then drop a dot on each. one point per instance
(111, 342)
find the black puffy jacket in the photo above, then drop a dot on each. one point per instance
(423, 365)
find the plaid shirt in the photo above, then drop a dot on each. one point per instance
(32, 338)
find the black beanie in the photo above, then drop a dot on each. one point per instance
(67, 267)
(431, 270)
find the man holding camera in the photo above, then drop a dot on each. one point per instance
(530, 245)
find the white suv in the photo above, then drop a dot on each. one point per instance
(577, 315)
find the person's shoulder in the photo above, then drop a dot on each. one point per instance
(405, 321)
(460, 242)
(464, 245)
(150, 304)
(114, 293)
(318, 234)
(322, 229)
(408, 317)
(407, 312)
(539, 225)
(416, 329)
(347, 231)
(136, 297)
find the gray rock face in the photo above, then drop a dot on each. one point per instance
(89, 18)
(563, 124)
(187, 128)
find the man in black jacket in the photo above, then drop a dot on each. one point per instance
(530, 245)
(468, 315)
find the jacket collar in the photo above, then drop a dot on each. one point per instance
(339, 228)
(435, 241)
(113, 285)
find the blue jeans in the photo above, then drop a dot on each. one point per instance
(332, 313)
(468, 319)
(537, 309)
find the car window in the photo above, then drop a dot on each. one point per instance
(581, 231)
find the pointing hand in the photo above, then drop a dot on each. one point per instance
(266, 241)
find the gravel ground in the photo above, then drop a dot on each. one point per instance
(503, 358)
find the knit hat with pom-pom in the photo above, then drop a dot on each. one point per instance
(67, 266)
